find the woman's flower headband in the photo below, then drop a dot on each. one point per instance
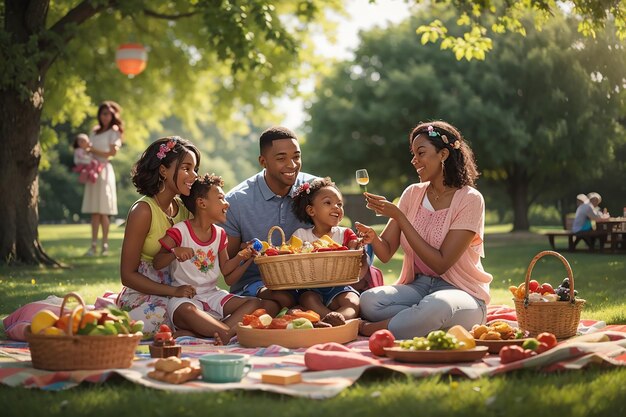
(304, 188)
(166, 147)
(433, 133)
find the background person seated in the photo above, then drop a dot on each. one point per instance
(587, 212)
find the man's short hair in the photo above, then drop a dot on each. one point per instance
(275, 133)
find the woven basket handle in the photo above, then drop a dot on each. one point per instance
(568, 268)
(269, 234)
(81, 304)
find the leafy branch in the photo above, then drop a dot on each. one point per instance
(482, 17)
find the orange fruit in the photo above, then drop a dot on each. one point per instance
(64, 322)
(90, 317)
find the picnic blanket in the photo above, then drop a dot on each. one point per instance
(16, 370)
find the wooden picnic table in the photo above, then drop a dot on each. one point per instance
(615, 227)
(573, 239)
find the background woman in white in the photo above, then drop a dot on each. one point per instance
(100, 198)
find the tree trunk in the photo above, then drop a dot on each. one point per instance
(21, 102)
(518, 190)
(19, 185)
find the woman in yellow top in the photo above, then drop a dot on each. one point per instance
(167, 168)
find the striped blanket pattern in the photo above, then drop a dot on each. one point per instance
(16, 370)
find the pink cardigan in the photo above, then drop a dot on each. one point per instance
(466, 212)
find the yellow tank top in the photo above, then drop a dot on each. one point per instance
(159, 226)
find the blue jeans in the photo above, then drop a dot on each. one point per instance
(253, 288)
(328, 294)
(424, 305)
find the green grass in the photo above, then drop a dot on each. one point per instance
(594, 391)
(90, 277)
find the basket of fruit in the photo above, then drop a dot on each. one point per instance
(80, 339)
(323, 263)
(540, 309)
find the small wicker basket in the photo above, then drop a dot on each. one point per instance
(560, 318)
(68, 353)
(309, 270)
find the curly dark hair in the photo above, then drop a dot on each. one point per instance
(460, 167)
(305, 194)
(145, 173)
(200, 189)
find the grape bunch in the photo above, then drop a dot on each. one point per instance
(436, 340)
(417, 343)
(440, 340)
(563, 290)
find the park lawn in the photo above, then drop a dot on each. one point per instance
(594, 391)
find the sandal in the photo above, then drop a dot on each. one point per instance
(91, 251)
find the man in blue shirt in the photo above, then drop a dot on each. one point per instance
(262, 201)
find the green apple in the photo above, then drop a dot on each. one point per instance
(136, 326)
(300, 323)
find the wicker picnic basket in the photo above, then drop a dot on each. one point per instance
(67, 353)
(560, 318)
(309, 270)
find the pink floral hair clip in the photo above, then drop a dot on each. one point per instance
(304, 188)
(166, 147)
(433, 133)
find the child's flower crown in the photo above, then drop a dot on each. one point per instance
(166, 147)
(304, 188)
(456, 144)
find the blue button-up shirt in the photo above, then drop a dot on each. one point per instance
(254, 209)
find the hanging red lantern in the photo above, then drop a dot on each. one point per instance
(131, 58)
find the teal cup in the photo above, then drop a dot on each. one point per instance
(224, 367)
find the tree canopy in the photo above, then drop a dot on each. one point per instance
(483, 20)
(201, 55)
(209, 62)
(542, 113)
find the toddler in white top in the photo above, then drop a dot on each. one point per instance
(85, 164)
(320, 203)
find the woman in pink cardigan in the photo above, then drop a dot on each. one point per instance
(439, 223)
